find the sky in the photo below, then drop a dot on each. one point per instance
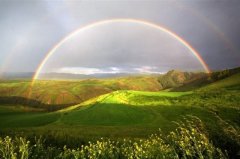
(30, 29)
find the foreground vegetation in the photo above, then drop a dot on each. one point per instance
(189, 140)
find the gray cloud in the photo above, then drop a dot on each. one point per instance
(29, 29)
(122, 44)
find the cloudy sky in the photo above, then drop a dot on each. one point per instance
(29, 29)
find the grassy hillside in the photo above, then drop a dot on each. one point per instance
(72, 92)
(19, 117)
(53, 94)
(221, 98)
(175, 78)
(120, 110)
(125, 108)
(200, 80)
(104, 116)
(129, 114)
(228, 83)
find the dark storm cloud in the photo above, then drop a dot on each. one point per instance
(29, 29)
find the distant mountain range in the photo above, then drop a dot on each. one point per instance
(169, 79)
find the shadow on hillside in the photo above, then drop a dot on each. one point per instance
(6, 100)
(206, 79)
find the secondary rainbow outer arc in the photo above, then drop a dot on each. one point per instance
(143, 22)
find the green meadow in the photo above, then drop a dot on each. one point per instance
(120, 109)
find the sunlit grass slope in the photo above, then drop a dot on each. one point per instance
(119, 108)
(73, 91)
(128, 107)
(123, 108)
(139, 108)
(128, 114)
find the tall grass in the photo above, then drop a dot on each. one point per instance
(188, 141)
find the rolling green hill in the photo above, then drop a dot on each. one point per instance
(119, 112)
(121, 107)
(54, 94)
(126, 114)
(124, 108)
(72, 91)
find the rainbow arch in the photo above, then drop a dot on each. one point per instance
(125, 20)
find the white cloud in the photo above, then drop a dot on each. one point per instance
(109, 70)
(87, 70)
(148, 69)
(78, 70)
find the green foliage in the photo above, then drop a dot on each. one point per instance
(191, 141)
(188, 141)
(13, 149)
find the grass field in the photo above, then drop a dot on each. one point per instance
(128, 114)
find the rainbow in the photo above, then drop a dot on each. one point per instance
(125, 20)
